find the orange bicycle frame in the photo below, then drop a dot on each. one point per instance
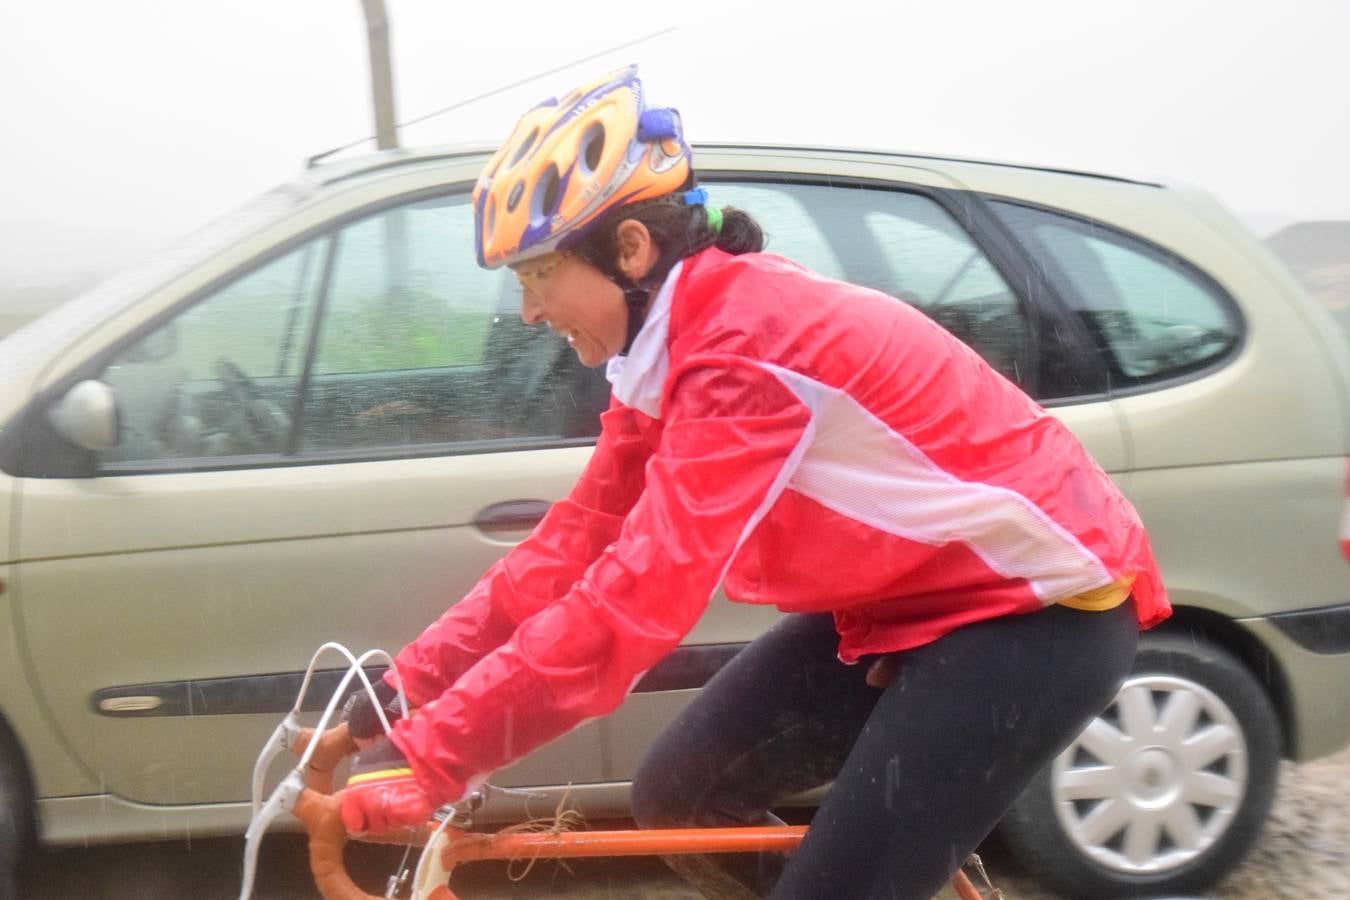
(321, 814)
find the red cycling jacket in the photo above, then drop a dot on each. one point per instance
(803, 442)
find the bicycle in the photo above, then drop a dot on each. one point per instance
(307, 792)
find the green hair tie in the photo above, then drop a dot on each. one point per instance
(714, 218)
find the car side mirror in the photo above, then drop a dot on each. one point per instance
(87, 416)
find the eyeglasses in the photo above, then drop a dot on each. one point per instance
(531, 278)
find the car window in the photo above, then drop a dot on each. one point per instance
(420, 346)
(384, 332)
(903, 244)
(219, 378)
(406, 292)
(1152, 315)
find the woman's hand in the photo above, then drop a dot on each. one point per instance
(382, 794)
(363, 723)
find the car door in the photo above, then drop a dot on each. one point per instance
(330, 445)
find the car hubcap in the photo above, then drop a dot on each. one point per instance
(1155, 780)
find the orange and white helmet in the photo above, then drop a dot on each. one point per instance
(569, 162)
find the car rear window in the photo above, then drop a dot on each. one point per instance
(1152, 314)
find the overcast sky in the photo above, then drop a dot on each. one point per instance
(129, 123)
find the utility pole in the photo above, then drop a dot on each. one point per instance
(381, 74)
(386, 138)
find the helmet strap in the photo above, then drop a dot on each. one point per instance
(636, 299)
(635, 296)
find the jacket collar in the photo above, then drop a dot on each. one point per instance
(638, 377)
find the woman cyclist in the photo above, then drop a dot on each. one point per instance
(963, 585)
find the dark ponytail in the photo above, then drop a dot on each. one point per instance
(740, 232)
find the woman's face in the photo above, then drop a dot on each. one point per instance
(576, 300)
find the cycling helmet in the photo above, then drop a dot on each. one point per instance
(569, 162)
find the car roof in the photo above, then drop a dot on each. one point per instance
(342, 170)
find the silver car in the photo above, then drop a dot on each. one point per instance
(319, 419)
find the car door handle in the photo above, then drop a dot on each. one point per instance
(511, 516)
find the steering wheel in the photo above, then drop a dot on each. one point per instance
(261, 420)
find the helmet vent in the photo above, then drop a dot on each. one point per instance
(547, 193)
(524, 148)
(593, 147)
(513, 200)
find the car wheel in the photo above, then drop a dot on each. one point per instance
(1166, 790)
(16, 816)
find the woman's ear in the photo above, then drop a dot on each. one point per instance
(637, 252)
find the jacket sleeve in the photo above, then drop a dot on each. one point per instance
(733, 435)
(537, 571)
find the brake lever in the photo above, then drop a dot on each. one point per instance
(282, 740)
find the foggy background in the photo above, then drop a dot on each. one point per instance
(128, 124)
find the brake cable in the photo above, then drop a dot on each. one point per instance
(283, 738)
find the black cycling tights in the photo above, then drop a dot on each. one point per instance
(922, 770)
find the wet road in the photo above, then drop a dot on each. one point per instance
(211, 869)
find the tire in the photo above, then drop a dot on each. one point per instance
(17, 832)
(1133, 808)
